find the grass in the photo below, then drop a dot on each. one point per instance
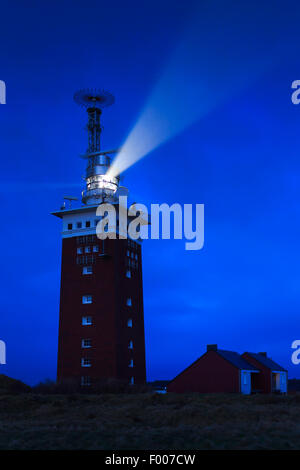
(149, 421)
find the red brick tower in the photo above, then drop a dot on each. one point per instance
(101, 320)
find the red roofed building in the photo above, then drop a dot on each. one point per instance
(272, 377)
(221, 371)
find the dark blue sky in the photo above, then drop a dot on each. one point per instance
(241, 158)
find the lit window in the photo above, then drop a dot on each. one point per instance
(87, 299)
(85, 381)
(136, 256)
(88, 224)
(129, 322)
(87, 249)
(79, 224)
(131, 380)
(86, 343)
(70, 226)
(95, 248)
(130, 346)
(245, 378)
(87, 270)
(132, 255)
(79, 250)
(130, 363)
(128, 273)
(86, 321)
(86, 362)
(129, 302)
(128, 253)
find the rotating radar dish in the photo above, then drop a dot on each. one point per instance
(94, 98)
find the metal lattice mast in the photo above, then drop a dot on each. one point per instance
(94, 129)
(98, 185)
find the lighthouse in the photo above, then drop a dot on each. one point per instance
(101, 318)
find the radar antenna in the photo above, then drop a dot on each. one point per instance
(70, 199)
(94, 101)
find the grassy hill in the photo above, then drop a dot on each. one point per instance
(9, 385)
(149, 421)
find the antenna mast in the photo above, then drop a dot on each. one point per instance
(98, 185)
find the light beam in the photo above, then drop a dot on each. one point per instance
(215, 60)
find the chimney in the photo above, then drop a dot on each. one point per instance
(263, 354)
(212, 347)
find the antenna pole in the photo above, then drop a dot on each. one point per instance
(94, 129)
(98, 185)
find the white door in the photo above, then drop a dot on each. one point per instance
(283, 382)
(245, 382)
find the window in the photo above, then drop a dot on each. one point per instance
(245, 378)
(136, 256)
(131, 380)
(132, 255)
(85, 381)
(87, 270)
(129, 302)
(95, 248)
(87, 249)
(87, 299)
(79, 250)
(129, 322)
(86, 321)
(87, 259)
(128, 273)
(86, 362)
(86, 239)
(128, 253)
(130, 363)
(130, 346)
(131, 243)
(79, 224)
(86, 343)
(88, 224)
(70, 226)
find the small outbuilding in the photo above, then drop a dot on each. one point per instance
(217, 371)
(272, 378)
(222, 371)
